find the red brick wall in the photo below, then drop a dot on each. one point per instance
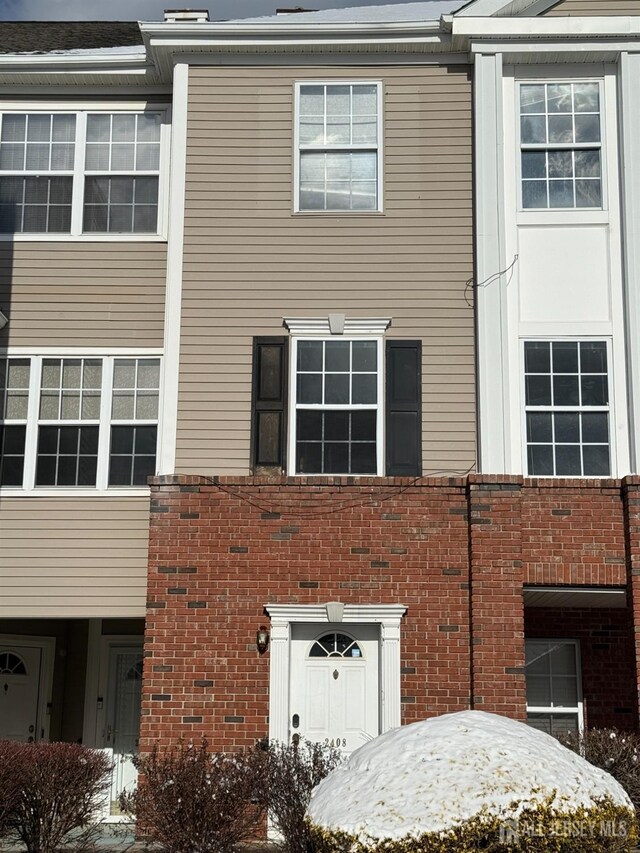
(456, 552)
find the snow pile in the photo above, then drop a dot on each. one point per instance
(437, 774)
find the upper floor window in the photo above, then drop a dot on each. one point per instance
(561, 145)
(338, 419)
(339, 147)
(567, 408)
(80, 172)
(337, 398)
(87, 422)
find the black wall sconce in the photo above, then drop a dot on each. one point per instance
(262, 639)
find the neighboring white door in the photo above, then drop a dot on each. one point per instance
(122, 723)
(20, 677)
(335, 684)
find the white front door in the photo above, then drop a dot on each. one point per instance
(334, 684)
(20, 671)
(122, 720)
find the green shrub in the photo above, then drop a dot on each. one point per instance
(605, 828)
(293, 771)
(614, 751)
(61, 788)
(190, 800)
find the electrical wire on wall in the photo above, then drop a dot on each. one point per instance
(489, 280)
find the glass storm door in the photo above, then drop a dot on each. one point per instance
(123, 715)
(334, 684)
(19, 693)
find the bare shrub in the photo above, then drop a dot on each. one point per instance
(190, 800)
(614, 751)
(61, 787)
(293, 771)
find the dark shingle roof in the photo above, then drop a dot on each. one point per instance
(44, 36)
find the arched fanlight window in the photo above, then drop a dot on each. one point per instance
(335, 645)
(11, 664)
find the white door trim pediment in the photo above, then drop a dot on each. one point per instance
(388, 616)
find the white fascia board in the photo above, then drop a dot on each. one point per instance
(510, 28)
(194, 34)
(577, 49)
(95, 62)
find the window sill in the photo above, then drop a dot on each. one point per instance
(340, 213)
(80, 492)
(83, 238)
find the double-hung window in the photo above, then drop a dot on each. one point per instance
(341, 403)
(78, 422)
(567, 408)
(338, 416)
(561, 145)
(338, 130)
(81, 172)
(554, 697)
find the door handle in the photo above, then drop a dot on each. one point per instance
(109, 732)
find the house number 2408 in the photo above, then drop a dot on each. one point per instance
(336, 741)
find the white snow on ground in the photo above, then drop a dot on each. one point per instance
(436, 774)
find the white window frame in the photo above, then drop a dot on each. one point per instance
(601, 146)
(379, 407)
(556, 710)
(298, 149)
(610, 409)
(33, 422)
(81, 110)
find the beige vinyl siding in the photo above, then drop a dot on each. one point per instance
(249, 261)
(73, 557)
(595, 7)
(107, 294)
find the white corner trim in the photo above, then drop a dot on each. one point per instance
(168, 421)
(388, 616)
(322, 325)
(491, 296)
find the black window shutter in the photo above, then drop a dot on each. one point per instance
(404, 408)
(269, 403)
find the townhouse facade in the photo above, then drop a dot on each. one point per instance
(358, 291)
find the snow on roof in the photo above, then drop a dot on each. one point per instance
(433, 775)
(428, 10)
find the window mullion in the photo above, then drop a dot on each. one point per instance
(102, 474)
(31, 436)
(77, 197)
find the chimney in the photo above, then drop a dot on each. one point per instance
(186, 16)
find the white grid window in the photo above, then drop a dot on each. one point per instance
(81, 172)
(37, 156)
(129, 146)
(337, 406)
(554, 691)
(338, 134)
(78, 422)
(567, 408)
(134, 416)
(561, 142)
(68, 424)
(14, 401)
